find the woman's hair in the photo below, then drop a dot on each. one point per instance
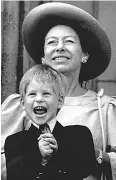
(43, 73)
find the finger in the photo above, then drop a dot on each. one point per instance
(48, 151)
(53, 146)
(51, 140)
(49, 135)
(48, 148)
(46, 143)
(44, 136)
(40, 137)
(42, 142)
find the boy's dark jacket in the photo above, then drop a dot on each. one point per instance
(75, 158)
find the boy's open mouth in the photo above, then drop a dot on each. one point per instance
(40, 110)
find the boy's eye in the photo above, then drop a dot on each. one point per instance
(31, 94)
(46, 93)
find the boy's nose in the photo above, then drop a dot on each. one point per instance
(39, 98)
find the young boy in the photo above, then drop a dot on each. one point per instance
(47, 151)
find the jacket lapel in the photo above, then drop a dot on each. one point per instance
(57, 131)
(34, 132)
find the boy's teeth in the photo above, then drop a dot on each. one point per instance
(40, 110)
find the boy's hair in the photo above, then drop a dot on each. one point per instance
(43, 73)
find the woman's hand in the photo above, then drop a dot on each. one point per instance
(103, 156)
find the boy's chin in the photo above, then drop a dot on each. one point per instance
(39, 123)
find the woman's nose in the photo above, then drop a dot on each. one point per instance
(60, 46)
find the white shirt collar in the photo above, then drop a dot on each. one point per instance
(51, 124)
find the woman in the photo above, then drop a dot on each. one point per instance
(76, 45)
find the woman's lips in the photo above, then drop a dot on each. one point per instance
(61, 58)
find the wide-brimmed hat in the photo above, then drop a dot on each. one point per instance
(93, 38)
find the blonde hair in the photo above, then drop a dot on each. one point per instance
(43, 73)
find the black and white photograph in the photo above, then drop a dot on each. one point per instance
(58, 90)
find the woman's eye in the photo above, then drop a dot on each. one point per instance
(69, 41)
(51, 42)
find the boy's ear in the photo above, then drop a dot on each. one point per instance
(61, 101)
(43, 60)
(22, 103)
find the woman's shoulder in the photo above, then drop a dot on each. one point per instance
(105, 99)
(92, 97)
(11, 100)
(100, 94)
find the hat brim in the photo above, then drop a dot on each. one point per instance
(93, 38)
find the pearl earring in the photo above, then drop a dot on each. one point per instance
(43, 60)
(85, 58)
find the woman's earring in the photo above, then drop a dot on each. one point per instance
(43, 60)
(85, 58)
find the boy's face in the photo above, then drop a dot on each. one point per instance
(41, 101)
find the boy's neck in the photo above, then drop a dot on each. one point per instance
(51, 124)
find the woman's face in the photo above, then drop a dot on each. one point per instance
(62, 49)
